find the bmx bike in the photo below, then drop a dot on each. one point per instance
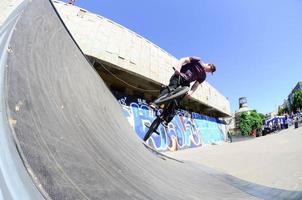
(169, 101)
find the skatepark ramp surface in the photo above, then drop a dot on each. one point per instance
(72, 139)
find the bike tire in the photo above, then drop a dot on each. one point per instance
(152, 128)
(170, 96)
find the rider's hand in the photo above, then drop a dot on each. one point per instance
(188, 96)
(177, 72)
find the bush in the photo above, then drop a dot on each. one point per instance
(250, 121)
(245, 124)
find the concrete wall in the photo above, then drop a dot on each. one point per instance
(106, 40)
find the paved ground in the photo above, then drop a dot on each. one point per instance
(274, 160)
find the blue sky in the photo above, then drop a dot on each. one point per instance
(255, 44)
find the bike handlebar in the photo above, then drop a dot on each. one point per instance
(177, 72)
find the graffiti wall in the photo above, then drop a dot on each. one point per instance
(186, 130)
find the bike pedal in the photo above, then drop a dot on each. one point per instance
(153, 131)
(157, 132)
(166, 125)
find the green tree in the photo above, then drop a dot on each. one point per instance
(262, 118)
(249, 121)
(245, 124)
(256, 120)
(282, 110)
(297, 103)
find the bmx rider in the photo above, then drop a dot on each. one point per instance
(187, 70)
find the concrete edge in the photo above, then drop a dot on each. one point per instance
(14, 180)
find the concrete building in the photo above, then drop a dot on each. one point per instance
(131, 64)
(291, 95)
(286, 103)
(127, 62)
(289, 100)
(230, 124)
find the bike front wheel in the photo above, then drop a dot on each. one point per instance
(152, 128)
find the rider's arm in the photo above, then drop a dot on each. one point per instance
(193, 88)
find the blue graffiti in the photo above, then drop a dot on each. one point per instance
(186, 130)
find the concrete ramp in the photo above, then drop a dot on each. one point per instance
(71, 135)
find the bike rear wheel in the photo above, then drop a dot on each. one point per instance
(172, 95)
(152, 128)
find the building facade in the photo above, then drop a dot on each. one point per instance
(289, 100)
(291, 95)
(129, 63)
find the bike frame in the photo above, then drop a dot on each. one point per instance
(170, 103)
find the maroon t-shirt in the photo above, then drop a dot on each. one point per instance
(193, 71)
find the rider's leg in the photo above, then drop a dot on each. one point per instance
(173, 84)
(175, 81)
(173, 108)
(171, 112)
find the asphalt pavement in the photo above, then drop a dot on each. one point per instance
(274, 160)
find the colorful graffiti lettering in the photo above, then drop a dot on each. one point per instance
(186, 130)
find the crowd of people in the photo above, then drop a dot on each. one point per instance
(278, 123)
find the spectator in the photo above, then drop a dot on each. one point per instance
(285, 121)
(230, 137)
(296, 122)
(275, 127)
